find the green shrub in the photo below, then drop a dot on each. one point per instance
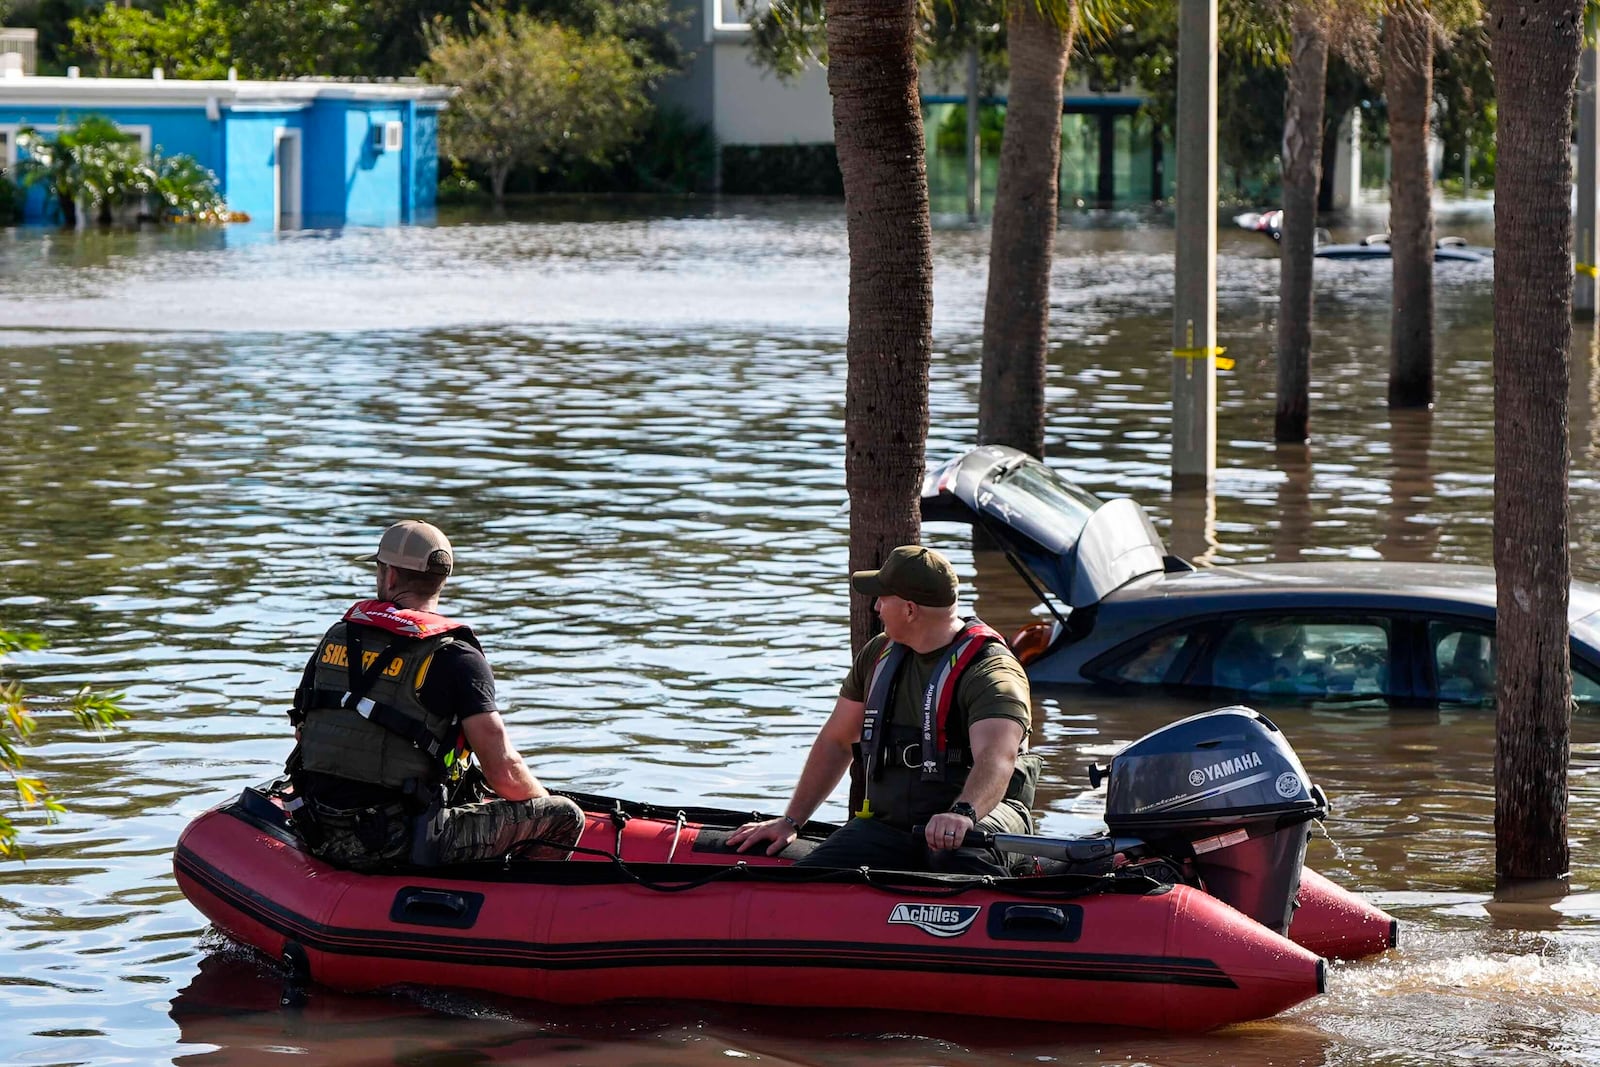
(96, 164)
(781, 170)
(11, 197)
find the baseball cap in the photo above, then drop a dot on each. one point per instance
(414, 545)
(912, 573)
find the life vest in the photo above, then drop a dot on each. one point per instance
(360, 717)
(884, 753)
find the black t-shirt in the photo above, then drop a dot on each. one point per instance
(459, 680)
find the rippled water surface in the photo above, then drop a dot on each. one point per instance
(629, 422)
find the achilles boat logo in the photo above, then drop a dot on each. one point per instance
(940, 920)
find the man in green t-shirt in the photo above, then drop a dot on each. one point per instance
(936, 713)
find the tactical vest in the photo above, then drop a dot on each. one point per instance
(907, 775)
(361, 718)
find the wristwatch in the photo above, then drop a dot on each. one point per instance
(961, 807)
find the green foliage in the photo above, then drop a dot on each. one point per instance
(1464, 112)
(459, 186)
(334, 38)
(92, 711)
(787, 37)
(97, 165)
(398, 30)
(674, 154)
(92, 163)
(10, 199)
(184, 189)
(187, 39)
(535, 94)
(791, 169)
(951, 136)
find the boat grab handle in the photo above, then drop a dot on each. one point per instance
(420, 906)
(1034, 917)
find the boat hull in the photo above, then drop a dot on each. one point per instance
(1169, 958)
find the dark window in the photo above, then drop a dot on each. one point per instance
(1033, 492)
(1303, 656)
(1149, 663)
(1585, 686)
(1463, 662)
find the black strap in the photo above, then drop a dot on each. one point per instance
(361, 682)
(389, 717)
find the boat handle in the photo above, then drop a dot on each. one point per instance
(435, 907)
(1035, 917)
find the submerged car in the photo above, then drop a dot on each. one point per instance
(1376, 246)
(1373, 246)
(1127, 614)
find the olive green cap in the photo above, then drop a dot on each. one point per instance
(912, 573)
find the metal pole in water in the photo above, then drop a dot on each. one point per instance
(974, 141)
(1586, 252)
(1194, 320)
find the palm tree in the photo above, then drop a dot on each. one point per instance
(1016, 314)
(877, 125)
(1408, 88)
(1302, 178)
(1535, 54)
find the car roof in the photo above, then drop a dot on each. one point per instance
(1372, 583)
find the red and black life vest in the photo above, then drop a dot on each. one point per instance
(944, 760)
(361, 718)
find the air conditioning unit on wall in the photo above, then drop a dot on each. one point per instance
(388, 136)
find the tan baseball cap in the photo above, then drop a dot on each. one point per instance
(912, 573)
(414, 545)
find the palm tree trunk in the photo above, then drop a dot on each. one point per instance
(1535, 54)
(1016, 314)
(1408, 88)
(877, 125)
(1302, 177)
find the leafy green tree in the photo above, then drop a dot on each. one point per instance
(93, 163)
(92, 711)
(534, 93)
(400, 30)
(187, 39)
(334, 38)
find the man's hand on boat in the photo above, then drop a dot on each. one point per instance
(780, 831)
(946, 831)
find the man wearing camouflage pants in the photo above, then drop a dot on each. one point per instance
(392, 705)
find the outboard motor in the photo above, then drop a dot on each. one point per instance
(1226, 788)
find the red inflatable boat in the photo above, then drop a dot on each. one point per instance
(655, 905)
(1165, 957)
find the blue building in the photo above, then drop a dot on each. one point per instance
(289, 154)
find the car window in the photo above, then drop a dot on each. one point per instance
(1033, 491)
(1585, 687)
(1463, 662)
(1299, 656)
(1149, 663)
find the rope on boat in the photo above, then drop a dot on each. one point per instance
(904, 883)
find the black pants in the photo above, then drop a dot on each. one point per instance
(876, 844)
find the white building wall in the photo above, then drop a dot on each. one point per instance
(752, 106)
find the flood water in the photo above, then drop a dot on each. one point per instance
(629, 422)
